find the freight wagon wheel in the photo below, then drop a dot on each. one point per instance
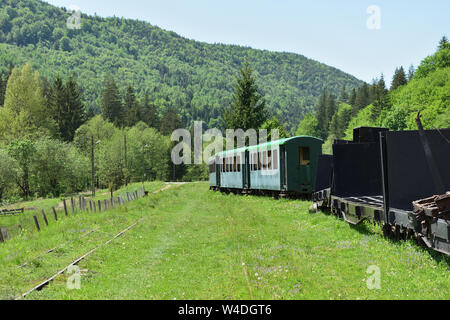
(397, 235)
(404, 233)
(387, 230)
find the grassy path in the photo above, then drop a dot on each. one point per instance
(197, 244)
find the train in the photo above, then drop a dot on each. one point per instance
(396, 179)
(285, 168)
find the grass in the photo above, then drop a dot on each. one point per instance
(196, 244)
(34, 207)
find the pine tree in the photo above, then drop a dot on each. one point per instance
(57, 102)
(111, 102)
(74, 113)
(362, 98)
(247, 111)
(343, 97)
(170, 121)
(330, 107)
(2, 91)
(131, 108)
(399, 79)
(67, 108)
(322, 119)
(443, 43)
(149, 113)
(411, 73)
(381, 100)
(352, 98)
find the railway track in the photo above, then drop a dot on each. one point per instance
(44, 283)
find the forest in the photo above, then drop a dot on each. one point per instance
(425, 89)
(195, 78)
(118, 88)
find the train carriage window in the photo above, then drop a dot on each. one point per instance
(238, 163)
(269, 159)
(259, 160)
(275, 160)
(304, 156)
(265, 161)
(234, 164)
(223, 164)
(255, 161)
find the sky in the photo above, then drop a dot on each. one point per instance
(363, 38)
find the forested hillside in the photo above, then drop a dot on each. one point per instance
(426, 89)
(196, 78)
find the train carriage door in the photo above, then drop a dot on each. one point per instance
(218, 170)
(246, 169)
(283, 168)
(304, 156)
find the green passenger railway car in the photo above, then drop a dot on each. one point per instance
(284, 167)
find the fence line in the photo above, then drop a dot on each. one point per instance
(79, 205)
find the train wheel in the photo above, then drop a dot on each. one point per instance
(387, 230)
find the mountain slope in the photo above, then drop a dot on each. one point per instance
(197, 78)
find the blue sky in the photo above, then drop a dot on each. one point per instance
(332, 32)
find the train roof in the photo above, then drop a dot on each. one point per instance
(268, 145)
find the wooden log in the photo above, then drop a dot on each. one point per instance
(54, 214)
(36, 222)
(65, 208)
(45, 217)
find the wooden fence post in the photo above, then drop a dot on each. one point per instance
(45, 217)
(65, 207)
(72, 202)
(1, 235)
(106, 204)
(54, 213)
(36, 222)
(95, 208)
(99, 206)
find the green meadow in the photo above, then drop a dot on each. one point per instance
(192, 243)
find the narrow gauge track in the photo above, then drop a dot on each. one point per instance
(43, 284)
(57, 247)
